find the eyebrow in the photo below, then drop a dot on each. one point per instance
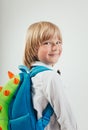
(51, 41)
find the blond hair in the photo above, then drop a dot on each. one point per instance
(36, 34)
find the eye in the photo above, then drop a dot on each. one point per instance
(58, 42)
(46, 43)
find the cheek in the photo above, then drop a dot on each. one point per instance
(42, 52)
(60, 50)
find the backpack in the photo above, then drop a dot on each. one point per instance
(16, 106)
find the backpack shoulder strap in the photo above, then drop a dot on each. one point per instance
(48, 111)
(45, 119)
(46, 115)
(36, 69)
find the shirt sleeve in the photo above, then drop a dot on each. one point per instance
(56, 96)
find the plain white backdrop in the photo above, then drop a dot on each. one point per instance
(72, 18)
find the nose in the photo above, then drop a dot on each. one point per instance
(54, 47)
(57, 48)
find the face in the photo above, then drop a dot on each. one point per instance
(50, 51)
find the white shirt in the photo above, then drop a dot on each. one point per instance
(48, 87)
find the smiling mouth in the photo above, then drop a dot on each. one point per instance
(53, 54)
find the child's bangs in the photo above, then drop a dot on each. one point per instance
(50, 33)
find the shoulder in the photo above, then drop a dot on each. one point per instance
(51, 74)
(50, 77)
(52, 85)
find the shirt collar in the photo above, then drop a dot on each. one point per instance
(38, 63)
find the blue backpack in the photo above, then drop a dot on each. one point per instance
(22, 115)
